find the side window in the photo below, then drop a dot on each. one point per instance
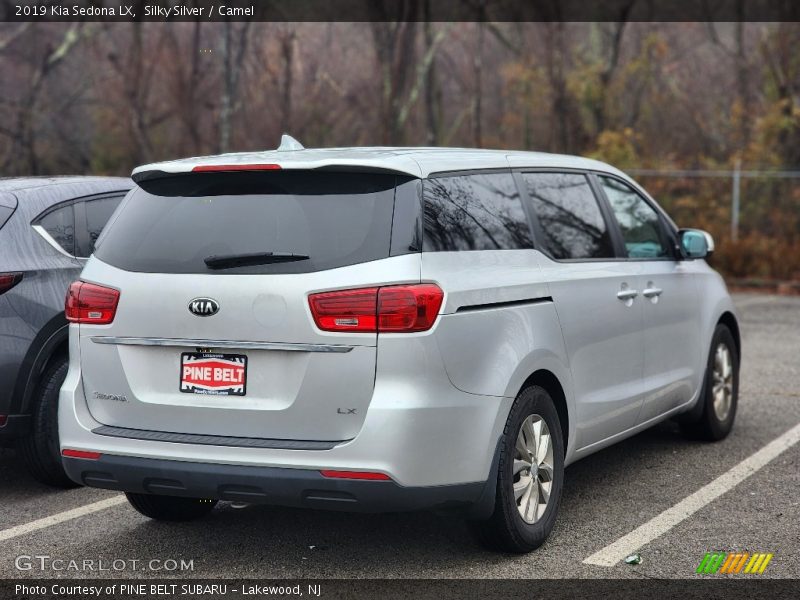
(569, 216)
(474, 212)
(60, 224)
(638, 221)
(98, 212)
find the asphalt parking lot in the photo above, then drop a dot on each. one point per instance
(607, 496)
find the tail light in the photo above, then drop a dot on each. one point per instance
(8, 281)
(3, 419)
(91, 303)
(391, 309)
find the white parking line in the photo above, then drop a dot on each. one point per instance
(659, 525)
(67, 515)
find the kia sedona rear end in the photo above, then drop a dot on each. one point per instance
(261, 333)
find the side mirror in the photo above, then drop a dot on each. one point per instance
(695, 243)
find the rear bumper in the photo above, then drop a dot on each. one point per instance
(303, 488)
(15, 427)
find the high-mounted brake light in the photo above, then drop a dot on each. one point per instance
(91, 303)
(8, 281)
(356, 475)
(85, 454)
(390, 309)
(222, 168)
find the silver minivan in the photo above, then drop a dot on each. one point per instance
(383, 329)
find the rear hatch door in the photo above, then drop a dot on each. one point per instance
(213, 334)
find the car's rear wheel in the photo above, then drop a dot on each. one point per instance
(171, 508)
(712, 419)
(530, 476)
(40, 447)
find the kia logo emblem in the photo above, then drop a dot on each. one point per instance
(204, 307)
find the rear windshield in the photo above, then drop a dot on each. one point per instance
(176, 224)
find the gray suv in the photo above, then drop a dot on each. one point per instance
(48, 227)
(383, 329)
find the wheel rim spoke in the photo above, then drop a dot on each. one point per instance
(522, 449)
(530, 436)
(532, 504)
(521, 488)
(544, 449)
(544, 492)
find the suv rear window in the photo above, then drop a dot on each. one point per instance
(173, 224)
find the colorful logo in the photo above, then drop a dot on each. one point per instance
(734, 562)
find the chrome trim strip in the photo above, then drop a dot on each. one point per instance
(49, 239)
(213, 440)
(239, 345)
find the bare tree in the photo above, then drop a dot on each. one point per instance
(26, 130)
(234, 45)
(433, 92)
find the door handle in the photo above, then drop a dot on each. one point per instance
(652, 292)
(627, 294)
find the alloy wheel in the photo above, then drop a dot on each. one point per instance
(533, 468)
(722, 385)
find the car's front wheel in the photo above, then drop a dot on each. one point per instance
(530, 476)
(170, 508)
(712, 418)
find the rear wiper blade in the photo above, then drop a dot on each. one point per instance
(228, 261)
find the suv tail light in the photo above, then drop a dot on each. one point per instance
(391, 309)
(8, 281)
(91, 303)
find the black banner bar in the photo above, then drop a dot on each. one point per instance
(752, 587)
(399, 10)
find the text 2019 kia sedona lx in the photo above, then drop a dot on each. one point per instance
(384, 329)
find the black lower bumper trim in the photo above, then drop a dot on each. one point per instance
(264, 485)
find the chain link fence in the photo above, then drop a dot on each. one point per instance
(754, 216)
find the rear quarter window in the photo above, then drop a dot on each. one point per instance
(172, 225)
(60, 225)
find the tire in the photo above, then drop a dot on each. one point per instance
(706, 422)
(506, 530)
(40, 447)
(170, 508)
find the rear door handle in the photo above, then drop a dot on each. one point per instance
(627, 294)
(652, 292)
